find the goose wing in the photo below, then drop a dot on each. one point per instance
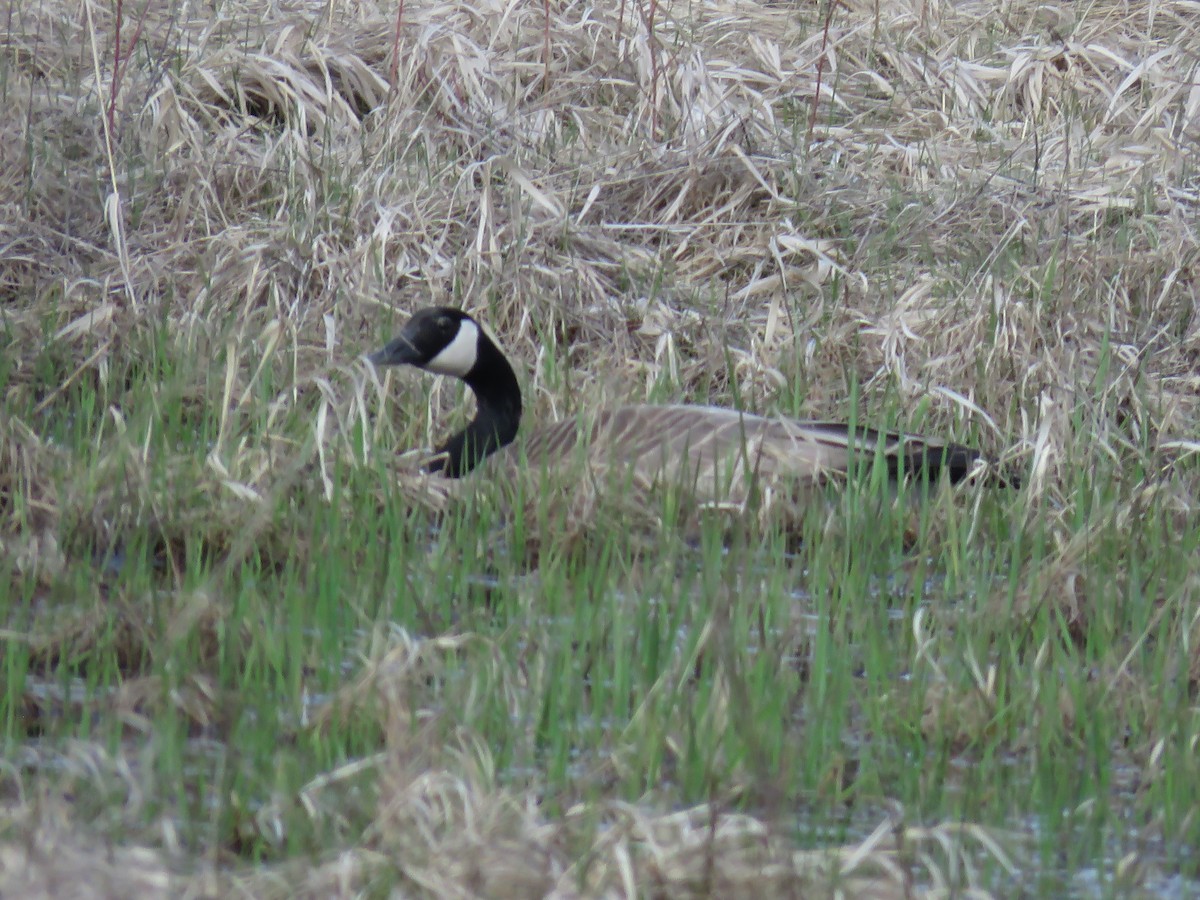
(718, 453)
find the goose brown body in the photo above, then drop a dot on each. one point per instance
(717, 454)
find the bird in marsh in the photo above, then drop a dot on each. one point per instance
(717, 454)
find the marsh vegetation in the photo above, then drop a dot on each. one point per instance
(248, 649)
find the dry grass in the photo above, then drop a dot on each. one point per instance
(707, 186)
(988, 215)
(268, 187)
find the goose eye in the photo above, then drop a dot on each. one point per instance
(445, 323)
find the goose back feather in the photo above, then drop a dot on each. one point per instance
(718, 453)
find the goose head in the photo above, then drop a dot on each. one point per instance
(438, 339)
(447, 341)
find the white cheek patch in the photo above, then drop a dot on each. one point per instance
(458, 357)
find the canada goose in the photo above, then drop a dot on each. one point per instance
(716, 452)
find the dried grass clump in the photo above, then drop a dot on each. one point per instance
(133, 634)
(28, 498)
(45, 852)
(455, 839)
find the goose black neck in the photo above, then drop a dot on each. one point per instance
(497, 414)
